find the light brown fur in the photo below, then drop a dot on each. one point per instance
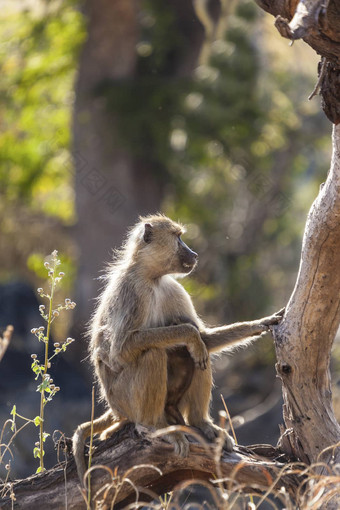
(142, 316)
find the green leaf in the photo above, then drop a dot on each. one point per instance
(13, 413)
(37, 420)
(36, 453)
(37, 369)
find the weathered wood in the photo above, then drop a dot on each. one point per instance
(314, 21)
(127, 450)
(305, 336)
(317, 22)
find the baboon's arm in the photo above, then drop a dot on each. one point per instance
(163, 338)
(217, 339)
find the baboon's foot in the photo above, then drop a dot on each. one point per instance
(180, 442)
(212, 431)
(107, 433)
(177, 439)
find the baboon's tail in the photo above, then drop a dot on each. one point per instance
(83, 432)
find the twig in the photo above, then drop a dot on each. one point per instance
(321, 75)
(5, 340)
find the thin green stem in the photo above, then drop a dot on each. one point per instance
(42, 395)
(23, 418)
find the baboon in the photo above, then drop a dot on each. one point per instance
(149, 348)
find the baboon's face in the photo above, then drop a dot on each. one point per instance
(168, 253)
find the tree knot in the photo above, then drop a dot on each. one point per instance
(283, 368)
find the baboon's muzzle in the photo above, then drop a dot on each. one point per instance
(188, 258)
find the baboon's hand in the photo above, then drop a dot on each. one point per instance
(261, 326)
(273, 319)
(198, 352)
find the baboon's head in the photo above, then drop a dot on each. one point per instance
(161, 249)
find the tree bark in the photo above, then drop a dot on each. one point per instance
(242, 470)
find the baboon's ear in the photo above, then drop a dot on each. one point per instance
(147, 232)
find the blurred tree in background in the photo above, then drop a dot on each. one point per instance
(219, 136)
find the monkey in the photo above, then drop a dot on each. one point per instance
(149, 348)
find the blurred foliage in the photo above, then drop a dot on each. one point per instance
(38, 55)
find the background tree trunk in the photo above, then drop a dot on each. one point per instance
(112, 185)
(111, 190)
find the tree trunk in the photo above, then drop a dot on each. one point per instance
(305, 336)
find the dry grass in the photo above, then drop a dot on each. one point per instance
(318, 484)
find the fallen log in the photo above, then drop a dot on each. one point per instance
(133, 466)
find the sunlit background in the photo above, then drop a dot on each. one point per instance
(110, 112)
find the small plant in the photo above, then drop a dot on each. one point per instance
(46, 386)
